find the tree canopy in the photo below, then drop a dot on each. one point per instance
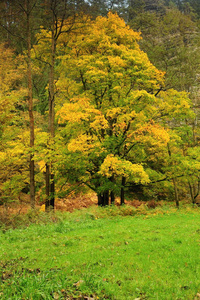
(108, 100)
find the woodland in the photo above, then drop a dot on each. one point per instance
(102, 96)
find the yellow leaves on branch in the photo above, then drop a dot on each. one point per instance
(116, 28)
(77, 110)
(113, 165)
(80, 110)
(99, 123)
(83, 143)
(175, 103)
(114, 112)
(152, 134)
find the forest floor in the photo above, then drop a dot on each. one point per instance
(66, 204)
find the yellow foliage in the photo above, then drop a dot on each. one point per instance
(99, 123)
(41, 165)
(79, 109)
(42, 207)
(83, 143)
(114, 112)
(175, 103)
(113, 165)
(153, 134)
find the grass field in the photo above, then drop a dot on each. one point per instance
(82, 256)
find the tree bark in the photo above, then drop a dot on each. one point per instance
(30, 107)
(176, 193)
(100, 199)
(106, 198)
(174, 182)
(112, 197)
(50, 176)
(47, 202)
(191, 193)
(122, 190)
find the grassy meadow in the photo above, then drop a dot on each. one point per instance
(110, 253)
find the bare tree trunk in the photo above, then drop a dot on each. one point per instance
(105, 198)
(122, 190)
(112, 197)
(191, 192)
(174, 182)
(47, 202)
(112, 194)
(50, 191)
(176, 193)
(30, 107)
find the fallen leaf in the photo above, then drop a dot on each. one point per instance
(198, 295)
(56, 296)
(78, 283)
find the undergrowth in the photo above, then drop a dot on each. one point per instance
(37, 216)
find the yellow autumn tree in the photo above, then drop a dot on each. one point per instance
(117, 108)
(13, 163)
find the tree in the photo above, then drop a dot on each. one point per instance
(28, 10)
(12, 159)
(115, 108)
(61, 19)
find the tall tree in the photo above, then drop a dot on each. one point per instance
(57, 12)
(17, 23)
(28, 10)
(116, 107)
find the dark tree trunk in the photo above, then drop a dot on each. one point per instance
(50, 178)
(30, 106)
(191, 193)
(100, 199)
(106, 198)
(112, 197)
(52, 191)
(176, 193)
(122, 190)
(174, 182)
(47, 202)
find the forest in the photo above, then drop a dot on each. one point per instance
(99, 96)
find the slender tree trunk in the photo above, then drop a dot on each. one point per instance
(191, 192)
(30, 108)
(176, 193)
(112, 197)
(100, 199)
(106, 198)
(197, 193)
(50, 182)
(174, 182)
(47, 202)
(52, 191)
(122, 190)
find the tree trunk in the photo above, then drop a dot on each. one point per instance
(176, 193)
(100, 199)
(122, 190)
(174, 182)
(112, 197)
(106, 198)
(30, 108)
(47, 202)
(50, 178)
(191, 193)
(52, 191)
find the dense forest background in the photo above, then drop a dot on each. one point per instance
(99, 95)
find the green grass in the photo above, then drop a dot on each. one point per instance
(133, 257)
